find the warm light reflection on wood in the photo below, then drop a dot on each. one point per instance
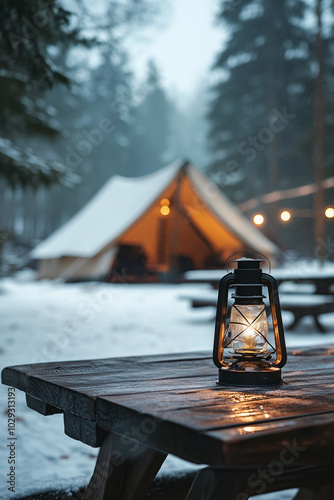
(249, 429)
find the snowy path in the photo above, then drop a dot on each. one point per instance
(47, 321)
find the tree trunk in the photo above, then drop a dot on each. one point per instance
(272, 104)
(319, 218)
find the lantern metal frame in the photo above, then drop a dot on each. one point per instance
(256, 369)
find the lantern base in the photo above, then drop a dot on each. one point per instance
(249, 373)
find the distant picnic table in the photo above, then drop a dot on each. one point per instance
(139, 409)
(319, 301)
(323, 282)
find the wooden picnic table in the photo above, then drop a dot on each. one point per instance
(300, 305)
(323, 282)
(139, 409)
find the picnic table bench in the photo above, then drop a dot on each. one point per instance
(139, 409)
(300, 305)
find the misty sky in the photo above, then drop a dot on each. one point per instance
(183, 44)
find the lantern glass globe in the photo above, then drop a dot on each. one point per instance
(247, 331)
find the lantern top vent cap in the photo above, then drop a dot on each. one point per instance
(248, 259)
(248, 263)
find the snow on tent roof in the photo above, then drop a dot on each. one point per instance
(107, 215)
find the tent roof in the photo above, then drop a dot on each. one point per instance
(123, 200)
(229, 214)
(107, 215)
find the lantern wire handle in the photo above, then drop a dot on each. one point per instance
(244, 253)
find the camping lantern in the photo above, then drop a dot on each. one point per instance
(245, 334)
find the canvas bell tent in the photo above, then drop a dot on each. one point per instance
(164, 223)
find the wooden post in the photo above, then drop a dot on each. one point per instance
(162, 240)
(124, 470)
(273, 177)
(174, 229)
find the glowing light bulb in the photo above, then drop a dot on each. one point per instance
(258, 219)
(329, 212)
(164, 210)
(164, 201)
(285, 216)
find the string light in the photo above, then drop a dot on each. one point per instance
(329, 212)
(258, 219)
(285, 216)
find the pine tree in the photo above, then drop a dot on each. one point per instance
(262, 107)
(151, 125)
(324, 126)
(31, 31)
(319, 132)
(328, 47)
(108, 113)
(70, 99)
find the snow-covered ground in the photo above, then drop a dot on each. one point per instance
(48, 321)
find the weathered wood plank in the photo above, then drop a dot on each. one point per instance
(216, 408)
(165, 436)
(41, 407)
(14, 376)
(310, 439)
(184, 393)
(124, 470)
(174, 405)
(209, 447)
(83, 430)
(61, 397)
(96, 384)
(321, 350)
(17, 375)
(144, 371)
(76, 392)
(103, 365)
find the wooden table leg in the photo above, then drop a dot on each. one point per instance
(215, 484)
(124, 470)
(320, 327)
(297, 318)
(220, 484)
(325, 492)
